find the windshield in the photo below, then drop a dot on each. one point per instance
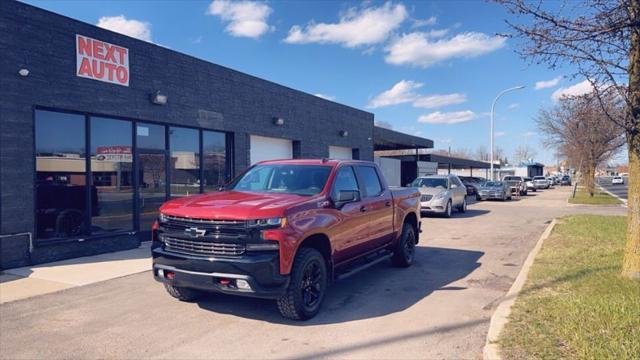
(539, 178)
(493, 184)
(511, 178)
(430, 182)
(284, 179)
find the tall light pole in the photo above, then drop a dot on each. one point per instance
(493, 105)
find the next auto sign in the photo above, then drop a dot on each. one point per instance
(102, 61)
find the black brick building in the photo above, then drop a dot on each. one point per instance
(83, 162)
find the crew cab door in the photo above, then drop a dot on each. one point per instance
(351, 223)
(377, 203)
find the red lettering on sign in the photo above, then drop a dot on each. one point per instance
(98, 49)
(84, 46)
(110, 56)
(110, 70)
(102, 61)
(85, 68)
(98, 68)
(122, 74)
(122, 52)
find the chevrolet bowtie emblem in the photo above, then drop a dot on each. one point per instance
(195, 232)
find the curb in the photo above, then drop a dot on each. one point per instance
(500, 316)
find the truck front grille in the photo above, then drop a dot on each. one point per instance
(203, 237)
(201, 247)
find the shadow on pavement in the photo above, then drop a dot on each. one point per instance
(379, 291)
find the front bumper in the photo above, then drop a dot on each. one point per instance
(434, 205)
(490, 196)
(260, 270)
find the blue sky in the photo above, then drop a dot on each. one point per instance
(427, 68)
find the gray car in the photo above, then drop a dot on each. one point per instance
(496, 190)
(441, 193)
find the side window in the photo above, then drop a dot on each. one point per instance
(370, 180)
(345, 181)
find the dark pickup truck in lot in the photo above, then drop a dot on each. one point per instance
(284, 230)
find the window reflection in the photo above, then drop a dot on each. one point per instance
(214, 152)
(61, 193)
(185, 161)
(112, 170)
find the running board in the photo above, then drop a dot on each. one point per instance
(364, 266)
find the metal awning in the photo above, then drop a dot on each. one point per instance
(386, 139)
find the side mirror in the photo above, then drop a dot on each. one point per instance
(345, 197)
(453, 186)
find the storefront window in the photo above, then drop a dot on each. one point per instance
(150, 136)
(112, 170)
(61, 186)
(185, 161)
(215, 156)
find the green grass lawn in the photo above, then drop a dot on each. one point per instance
(575, 304)
(599, 198)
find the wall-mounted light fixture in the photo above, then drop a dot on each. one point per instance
(344, 133)
(278, 121)
(159, 98)
(23, 72)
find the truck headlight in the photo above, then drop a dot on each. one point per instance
(162, 218)
(269, 223)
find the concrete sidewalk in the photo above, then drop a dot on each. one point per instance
(26, 282)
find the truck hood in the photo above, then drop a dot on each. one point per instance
(232, 205)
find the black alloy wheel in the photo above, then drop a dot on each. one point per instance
(311, 286)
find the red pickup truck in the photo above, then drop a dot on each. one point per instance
(284, 230)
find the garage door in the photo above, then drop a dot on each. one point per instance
(340, 152)
(267, 148)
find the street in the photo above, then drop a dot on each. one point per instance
(439, 308)
(619, 190)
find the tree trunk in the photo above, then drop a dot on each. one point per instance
(589, 177)
(631, 264)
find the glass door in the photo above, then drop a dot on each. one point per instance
(151, 160)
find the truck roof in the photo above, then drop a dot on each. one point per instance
(329, 162)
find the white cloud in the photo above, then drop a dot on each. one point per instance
(499, 133)
(530, 133)
(424, 22)
(357, 27)
(578, 89)
(246, 18)
(420, 49)
(130, 27)
(448, 117)
(405, 92)
(436, 101)
(326, 97)
(513, 106)
(547, 83)
(402, 92)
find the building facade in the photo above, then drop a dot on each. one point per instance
(98, 129)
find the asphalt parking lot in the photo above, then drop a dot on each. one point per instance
(439, 308)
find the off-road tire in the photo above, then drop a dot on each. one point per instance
(404, 252)
(181, 293)
(291, 304)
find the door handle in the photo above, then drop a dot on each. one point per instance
(363, 208)
(387, 204)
